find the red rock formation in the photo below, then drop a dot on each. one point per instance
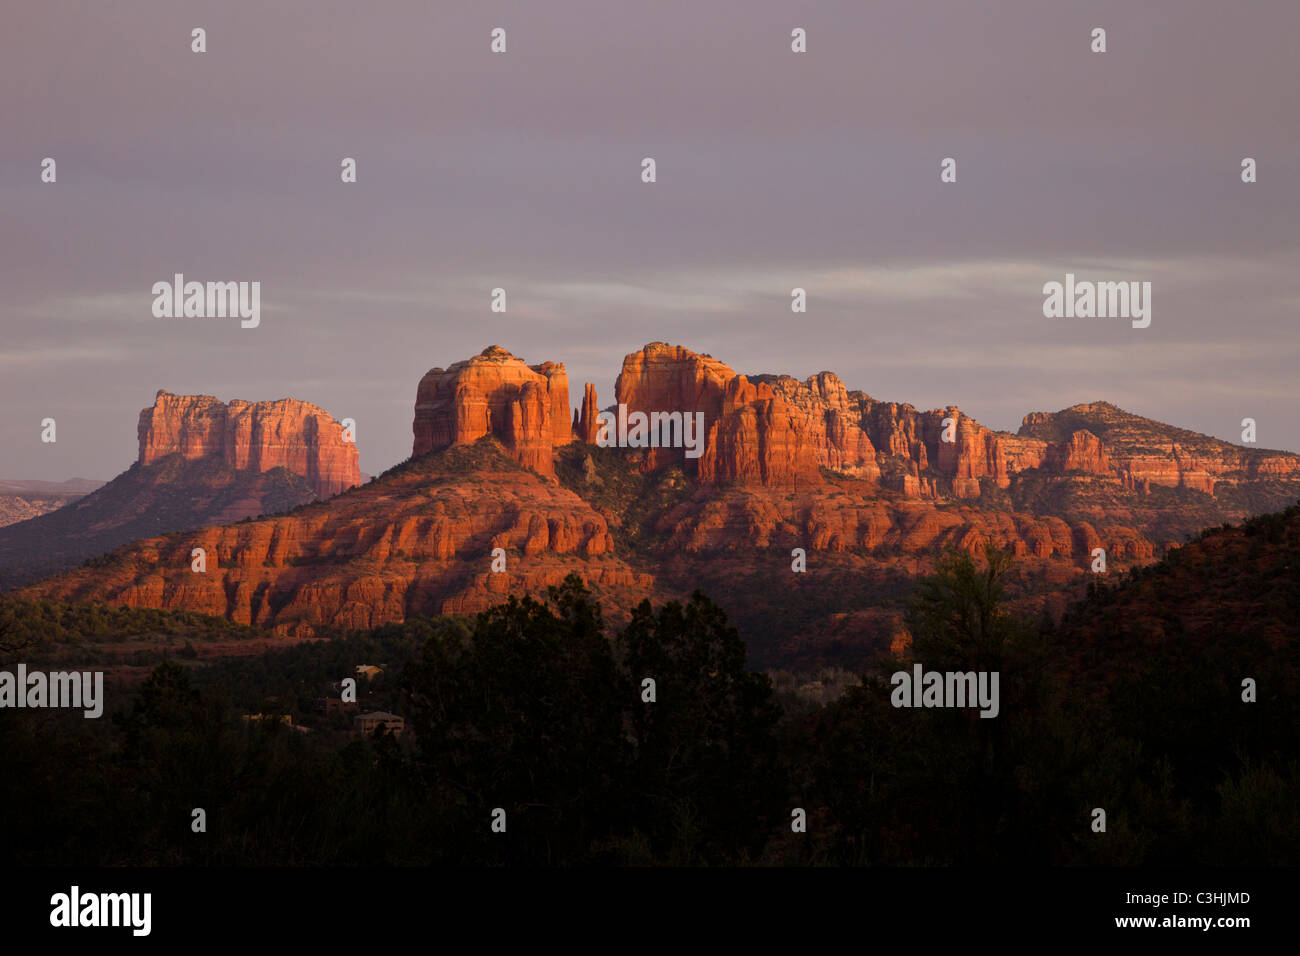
(1137, 452)
(866, 487)
(1274, 466)
(846, 515)
(665, 377)
(585, 421)
(1022, 453)
(768, 430)
(756, 440)
(256, 436)
(1083, 452)
(525, 407)
(974, 453)
(829, 418)
(774, 430)
(1176, 470)
(670, 378)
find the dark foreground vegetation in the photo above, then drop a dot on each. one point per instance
(1132, 704)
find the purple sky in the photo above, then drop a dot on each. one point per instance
(522, 170)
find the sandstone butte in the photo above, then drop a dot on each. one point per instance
(251, 436)
(526, 408)
(870, 487)
(200, 462)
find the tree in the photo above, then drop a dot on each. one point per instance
(522, 713)
(957, 618)
(705, 777)
(167, 699)
(12, 644)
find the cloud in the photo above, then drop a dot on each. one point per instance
(90, 307)
(53, 355)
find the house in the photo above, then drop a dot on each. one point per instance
(368, 671)
(281, 718)
(332, 705)
(367, 724)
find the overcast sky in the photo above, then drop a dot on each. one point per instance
(522, 170)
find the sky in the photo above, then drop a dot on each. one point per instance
(522, 170)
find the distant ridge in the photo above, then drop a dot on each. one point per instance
(71, 486)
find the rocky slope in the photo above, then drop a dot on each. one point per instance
(418, 539)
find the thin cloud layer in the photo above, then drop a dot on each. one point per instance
(522, 171)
